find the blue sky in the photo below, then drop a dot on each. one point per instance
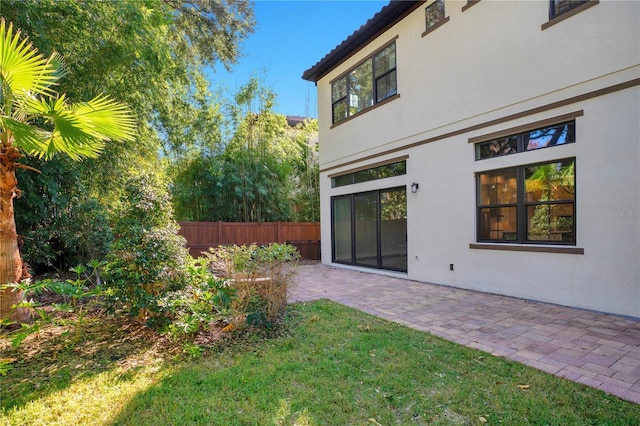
(289, 38)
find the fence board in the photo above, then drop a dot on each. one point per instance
(201, 236)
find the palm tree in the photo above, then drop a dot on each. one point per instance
(36, 121)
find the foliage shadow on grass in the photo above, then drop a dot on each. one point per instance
(336, 365)
(54, 358)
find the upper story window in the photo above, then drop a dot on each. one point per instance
(367, 84)
(558, 7)
(434, 13)
(560, 10)
(558, 134)
(435, 16)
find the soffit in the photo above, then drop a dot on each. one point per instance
(388, 16)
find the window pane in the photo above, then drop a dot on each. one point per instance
(498, 224)
(342, 180)
(393, 229)
(386, 86)
(550, 222)
(550, 182)
(340, 111)
(550, 136)
(498, 187)
(360, 88)
(497, 147)
(365, 175)
(544, 202)
(366, 228)
(559, 134)
(342, 229)
(339, 89)
(394, 169)
(435, 13)
(562, 6)
(385, 60)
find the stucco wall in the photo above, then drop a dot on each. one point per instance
(441, 217)
(490, 62)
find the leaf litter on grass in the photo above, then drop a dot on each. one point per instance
(320, 363)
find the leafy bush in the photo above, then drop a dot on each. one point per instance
(148, 259)
(260, 275)
(60, 223)
(205, 299)
(76, 294)
(87, 232)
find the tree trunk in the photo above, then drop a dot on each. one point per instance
(12, 269)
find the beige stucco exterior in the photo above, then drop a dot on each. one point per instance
(489, 68)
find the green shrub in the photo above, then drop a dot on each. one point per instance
(60, 223)
(148, 258)
(206, 299)
(260, 275)
(87, 232)
(76, 295)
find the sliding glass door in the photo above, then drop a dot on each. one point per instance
(366, 229)
(393, 229)
(341, 231)
(370, 229)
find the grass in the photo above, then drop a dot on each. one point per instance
(328, 365)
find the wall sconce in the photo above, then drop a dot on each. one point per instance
(414, 187)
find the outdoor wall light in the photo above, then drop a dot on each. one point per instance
(414, 187)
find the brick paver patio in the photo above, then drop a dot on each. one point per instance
(598, 350)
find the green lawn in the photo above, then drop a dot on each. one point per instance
(329, 365)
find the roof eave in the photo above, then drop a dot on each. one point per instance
(387, 17)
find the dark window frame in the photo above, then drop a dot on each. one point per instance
(351, 178)
(521, 205)
(440, 22)
(518, 141)
(353, 237)
(555, 16)
(375, 78)
(341, 100)
(566, 5)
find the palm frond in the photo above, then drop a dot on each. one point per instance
(22, 68)
(80, 130)
(108, 118)
(70, 134)
(27, 138)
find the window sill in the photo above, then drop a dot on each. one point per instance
(528, 248)
(358, 114)
(569, 13)
(435, 26)
(469, 4)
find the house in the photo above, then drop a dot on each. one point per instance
(488, 145)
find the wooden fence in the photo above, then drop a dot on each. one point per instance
(201, 236)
